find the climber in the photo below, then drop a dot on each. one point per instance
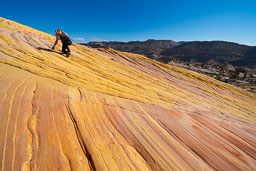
(65, 39)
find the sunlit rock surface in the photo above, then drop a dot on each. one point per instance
(108, 110)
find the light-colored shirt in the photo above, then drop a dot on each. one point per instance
(57, 37)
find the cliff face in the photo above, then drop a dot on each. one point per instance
(109, 110)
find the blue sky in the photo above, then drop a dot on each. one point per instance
(119, 20)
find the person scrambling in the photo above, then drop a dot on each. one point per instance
(65, 39)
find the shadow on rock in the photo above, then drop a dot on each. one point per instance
(48, 50)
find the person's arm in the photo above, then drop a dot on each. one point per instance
(55, 43)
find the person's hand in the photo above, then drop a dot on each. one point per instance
(53, 48)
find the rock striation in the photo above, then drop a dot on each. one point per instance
(102, 109)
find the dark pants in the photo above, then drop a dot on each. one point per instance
(65, 47)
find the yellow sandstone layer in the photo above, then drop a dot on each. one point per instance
(109, 110)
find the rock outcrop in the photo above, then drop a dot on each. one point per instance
(109, 110)
(227, 70)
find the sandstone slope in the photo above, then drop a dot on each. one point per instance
(109, 110)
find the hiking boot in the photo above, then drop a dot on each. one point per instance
(68, 53)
